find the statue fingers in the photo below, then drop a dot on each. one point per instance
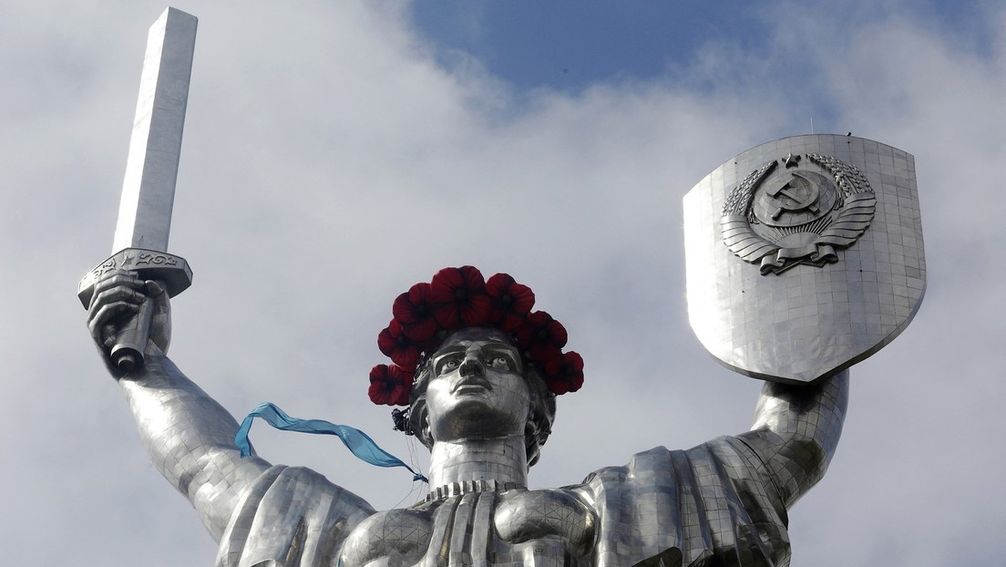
(160, 326)
(118, 279)
(156, 291)
(107, 336)
(153, 287)
(123, 292)
(104, 315)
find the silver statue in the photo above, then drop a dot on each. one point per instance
(797, 269)
(722, 502)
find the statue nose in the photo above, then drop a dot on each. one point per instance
(471, 367)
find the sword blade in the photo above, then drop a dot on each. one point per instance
(148, 189)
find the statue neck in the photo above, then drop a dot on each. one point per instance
(503, 460)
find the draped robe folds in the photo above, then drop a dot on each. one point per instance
(712, 505)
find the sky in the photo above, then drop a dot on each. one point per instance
(337, 152)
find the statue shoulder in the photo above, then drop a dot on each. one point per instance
(657, 456)
(711, 499)
(279, 510)
(682, 464)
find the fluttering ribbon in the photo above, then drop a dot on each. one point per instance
(355, 440)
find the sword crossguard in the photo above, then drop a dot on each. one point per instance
(172, 272)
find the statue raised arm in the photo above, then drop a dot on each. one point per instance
(189, 436)
(796, 430)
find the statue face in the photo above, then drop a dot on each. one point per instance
(477, 389)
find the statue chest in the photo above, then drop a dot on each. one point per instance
(514, 528)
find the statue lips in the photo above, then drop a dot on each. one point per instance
(471, 384)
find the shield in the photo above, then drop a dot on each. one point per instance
(804, 255)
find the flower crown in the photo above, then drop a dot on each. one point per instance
(457, 298)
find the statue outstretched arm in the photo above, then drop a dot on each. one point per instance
(189, 436)
(190, 439)
(796, 430)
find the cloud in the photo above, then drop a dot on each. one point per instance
(330, 161)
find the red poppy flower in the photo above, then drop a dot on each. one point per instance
(564, 373)
(390, 385)
(414, 311)
(460, 297)
(540, 336)
(395, 344)
(510, 302)
(543, 354)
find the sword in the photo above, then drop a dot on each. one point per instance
(148, 189)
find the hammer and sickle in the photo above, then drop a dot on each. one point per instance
(789, 190)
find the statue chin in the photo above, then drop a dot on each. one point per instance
(474, 417)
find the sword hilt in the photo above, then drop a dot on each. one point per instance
(127, 352)
(170, 271)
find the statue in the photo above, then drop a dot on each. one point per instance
(804, 257)
(484, 404)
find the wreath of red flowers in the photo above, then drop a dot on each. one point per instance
(457, 298)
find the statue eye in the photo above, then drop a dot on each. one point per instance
(501, 362)
(450, 365)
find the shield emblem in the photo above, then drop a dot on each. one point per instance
(804, 255)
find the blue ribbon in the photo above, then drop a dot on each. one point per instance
(357, 441)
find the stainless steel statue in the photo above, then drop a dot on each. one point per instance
(819, 284)
(484, 408)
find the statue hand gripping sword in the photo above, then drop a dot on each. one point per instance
(189, 436)
(148, 193)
